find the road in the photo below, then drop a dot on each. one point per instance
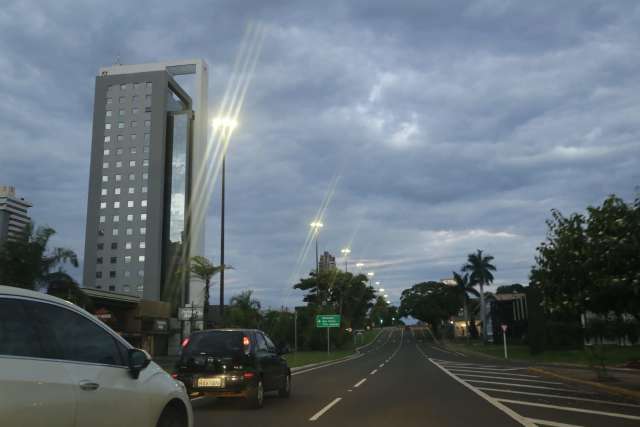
(403, 379)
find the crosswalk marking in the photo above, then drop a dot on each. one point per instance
(570, 409)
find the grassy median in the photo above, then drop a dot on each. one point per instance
(302, 358)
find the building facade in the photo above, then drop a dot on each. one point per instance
(13, 213)
(327, 262)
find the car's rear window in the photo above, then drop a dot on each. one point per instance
(217, 343)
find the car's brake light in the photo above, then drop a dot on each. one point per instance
(245, 341)
(185, 342)
(248, 375)
(174, 375)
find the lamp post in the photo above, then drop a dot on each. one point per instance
(370, 274)
(316, 226)
(225, 125)
(345, 253)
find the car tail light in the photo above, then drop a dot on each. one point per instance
(174, 375)
(245, 344)
(185, 342)
(248, 375)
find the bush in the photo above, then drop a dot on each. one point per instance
(564, 335)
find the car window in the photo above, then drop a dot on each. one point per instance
(215, 343)
(18, 336)
(261, 343)
(270, 345)
(66, 335)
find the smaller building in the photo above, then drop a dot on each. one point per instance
(13, 213)
(327, 262)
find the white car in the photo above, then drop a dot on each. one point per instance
(60, 366)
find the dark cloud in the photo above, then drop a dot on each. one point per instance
(450, 126)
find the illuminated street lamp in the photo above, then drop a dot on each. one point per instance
(225, 125)
(359, 265)
(345, 253)
(315, 227)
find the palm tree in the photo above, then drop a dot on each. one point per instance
(25, 262)
(203, 269)
(480, 268)
(245, 310)
(464, 288)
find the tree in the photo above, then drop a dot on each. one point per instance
(26, 263)
(481, 269)
(464, 288)
(63, 286)
(244, 310)
(431, 302)
(204, 270)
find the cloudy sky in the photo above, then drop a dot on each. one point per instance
(429, 128)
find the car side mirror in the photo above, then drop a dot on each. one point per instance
(137, 361)
(282, 350)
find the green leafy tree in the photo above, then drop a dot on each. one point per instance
(431, 302)
(63, 286)
(481, 270)
(26, 262)
(464, 288)
(204, 270)
(244, 310)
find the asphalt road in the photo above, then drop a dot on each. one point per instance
(406, 380)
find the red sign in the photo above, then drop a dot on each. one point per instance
(504, 328)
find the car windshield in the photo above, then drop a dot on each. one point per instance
(220, 344)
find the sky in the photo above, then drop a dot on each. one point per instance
(423, 130)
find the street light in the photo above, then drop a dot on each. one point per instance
(316, 226)
(345, 253)
(359, 265)
(381, 290)
(225, 125)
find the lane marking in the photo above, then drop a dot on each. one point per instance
(522, 420)
(494, 373)
(506, 378)
(359, 383)
(373, 372)
(558, 396)
(349, 390)
(571, 409)
(337, 362)
(518, 385)
(381, 365)
(551, 423)
(325, 409)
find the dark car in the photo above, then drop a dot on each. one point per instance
(233, 363)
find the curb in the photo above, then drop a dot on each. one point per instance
(358, 349)
(619, 391)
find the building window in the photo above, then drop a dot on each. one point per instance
(123, 86)
(133, 150)
(127, 259)
(100, 246)
(145, 176)
(120, 138)
(121, 112)
(147, 138)
(105, 165)
(116, 191)
(100, 231)
(98, 274)
(143, 203)
(118, 177)
(127, 245)
(99, 260)
(103, 218)
(142, 245)
(135, 110)
(145, 162)
(143, 231)
(121, 100)
(113, 260)
(98, 286)
(133, 123)
(118, 164)
(114, 245)
(141, 258)
(130, 204)
(129, 231)
(112, 288)
(140, 273)
(132, 190)
(106, 152)
(103, 205)
(144, 189)
(103, 192)
(149, 85)
(114, 232)
(116, 218)
(145, 149)
(120, 125)
(119, 151)
(107, 138)
(143, 217)
(107, 126)
(132, 177)
(125, 288)
(112, 274)
(109, 100)
(129, 217)
(147, 123)
(135, 98)
(133, 136)
(140, 288)
(116, 205)
(108, 113)
(132, 163)
(127, 273)
(147, 100)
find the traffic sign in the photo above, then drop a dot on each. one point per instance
(190, 313)
(327, 321)
(504, 328)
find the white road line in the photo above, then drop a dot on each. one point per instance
(349, 390)
(518, 385)
(494, 373)
(506, 378)
(479, 367)
(570, 409)
(551, 423)
(329, 364)
(373, 372)
(325, 409)
(522, 420)
(381, 365)
(359, 383)
(444, 351)
(558, 396)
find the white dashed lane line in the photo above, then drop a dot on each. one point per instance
(325, 409)
(359, 383)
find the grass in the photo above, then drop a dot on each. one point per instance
(302, 358)
(614, 355)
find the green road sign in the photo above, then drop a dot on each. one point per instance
(328, 321)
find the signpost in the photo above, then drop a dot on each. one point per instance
(504, 339)
(328, 321)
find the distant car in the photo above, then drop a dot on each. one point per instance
(233, 363)
(60, 366)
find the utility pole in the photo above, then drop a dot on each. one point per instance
(224, 160)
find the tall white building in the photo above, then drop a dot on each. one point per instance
(13, 213)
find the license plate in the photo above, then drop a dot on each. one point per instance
(210, 382)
